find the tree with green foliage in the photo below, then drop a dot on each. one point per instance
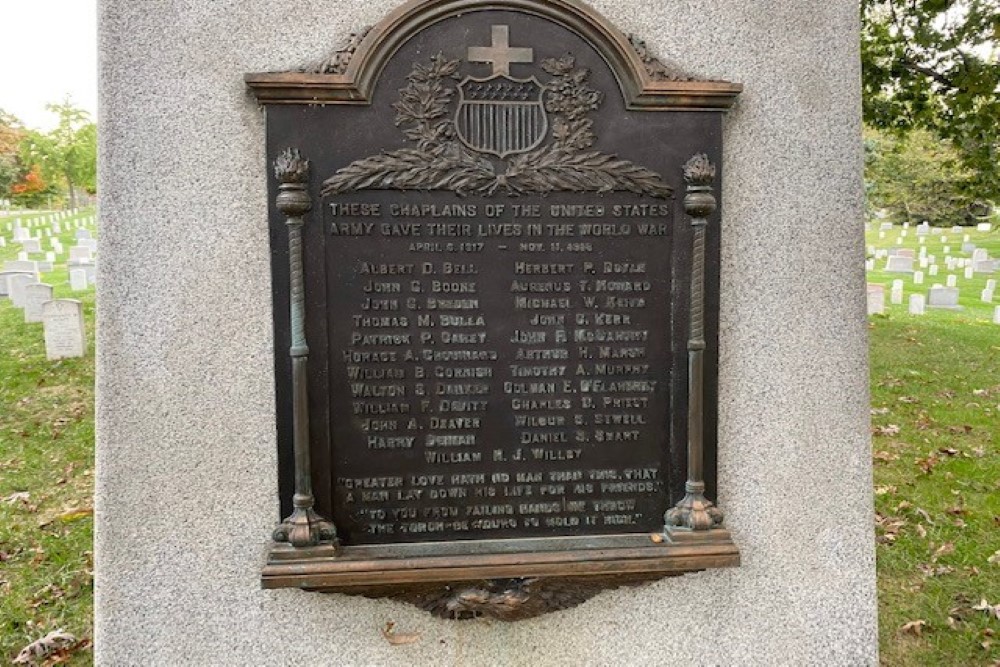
(916, 177)
(933, 64)
(68, 153)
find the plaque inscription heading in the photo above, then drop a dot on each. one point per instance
(504, 276)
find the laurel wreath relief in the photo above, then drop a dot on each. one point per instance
(441, 162)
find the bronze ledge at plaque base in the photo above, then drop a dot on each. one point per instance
(504, 580)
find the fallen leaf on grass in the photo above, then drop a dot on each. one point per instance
(921, 531)
(885, 457)
(948, 451)
(931, 571)
(398, 638)
(887, 431)
(908, 399)
(945, 549)
(990, 609)
(41, 649)
(960, 430)
(915, 628)
(68, 516)
(995, 558)
(885, 490)
(928, 464)
(19, 497)
(879, 411)
(925, 515)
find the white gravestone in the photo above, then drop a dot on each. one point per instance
(991, 284)
(5, 277)
(870, 265)
(923, 229)
(924, 262)
(50, 257)
(918, 304)
(952, 280)
(876, 299)
(984, 266)
(87, 243)
(969, 247)
(88, 267)
(943, 297)
(16, 285)
(3, 242)
(899, 265)
(881, 235)
(996, 315)
(896, 295)
(921, 240)
(79, 254)
(969, 273)
(918, 278)
(985, 227)
(64, 332)
(78, 280)
(987, 296)
(886, 227)
(35, 296)
(21, 234)
(22, 256)
(979, 254)
(22, 265)
(31, 246)
(82, 234)
(944, 239)
(901, 252)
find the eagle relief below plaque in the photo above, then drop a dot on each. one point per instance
(495, 249)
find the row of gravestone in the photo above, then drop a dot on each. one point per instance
(939, 296)
(81, 264)
(61, 319)
(924, 228)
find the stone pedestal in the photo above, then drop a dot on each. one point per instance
(187, 494)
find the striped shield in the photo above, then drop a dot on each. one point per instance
(500, 115)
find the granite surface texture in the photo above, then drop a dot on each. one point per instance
(186, 483)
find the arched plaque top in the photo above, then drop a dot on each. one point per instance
(349, 76)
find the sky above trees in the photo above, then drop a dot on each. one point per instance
(49, 52)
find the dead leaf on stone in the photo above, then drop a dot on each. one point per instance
(40, 650)
(915, 628)
(399, 638)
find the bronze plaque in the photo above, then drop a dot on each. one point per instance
(508, 281)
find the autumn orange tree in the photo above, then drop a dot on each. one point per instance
(67, 154)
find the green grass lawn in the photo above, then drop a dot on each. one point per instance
(46, 477)
(936, 422)
(936, 447)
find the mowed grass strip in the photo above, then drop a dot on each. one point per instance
(46, 477)
(936, 427)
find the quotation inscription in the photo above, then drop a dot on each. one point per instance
(506, 367)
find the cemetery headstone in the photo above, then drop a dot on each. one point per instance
(923, 229)
(896, 295)
(65, 335)
(918, 304)
(991, 284)
(984, 266)
(31, 246)
(35, 296)
(82, 234)
(5, 277)
(996, 315)
(22, 265)
(918, 278)
(969, 273)
(78, 280)
(886, 227)
(876, 299)
(79, 254)
(984, 227)
(16, 284)
(952, 280)
(3, 242)
(987, 296)
(968, 247)
(944, 298)
(899, 264)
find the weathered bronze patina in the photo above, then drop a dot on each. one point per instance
(495, 225)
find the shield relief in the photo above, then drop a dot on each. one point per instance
(501, 115)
